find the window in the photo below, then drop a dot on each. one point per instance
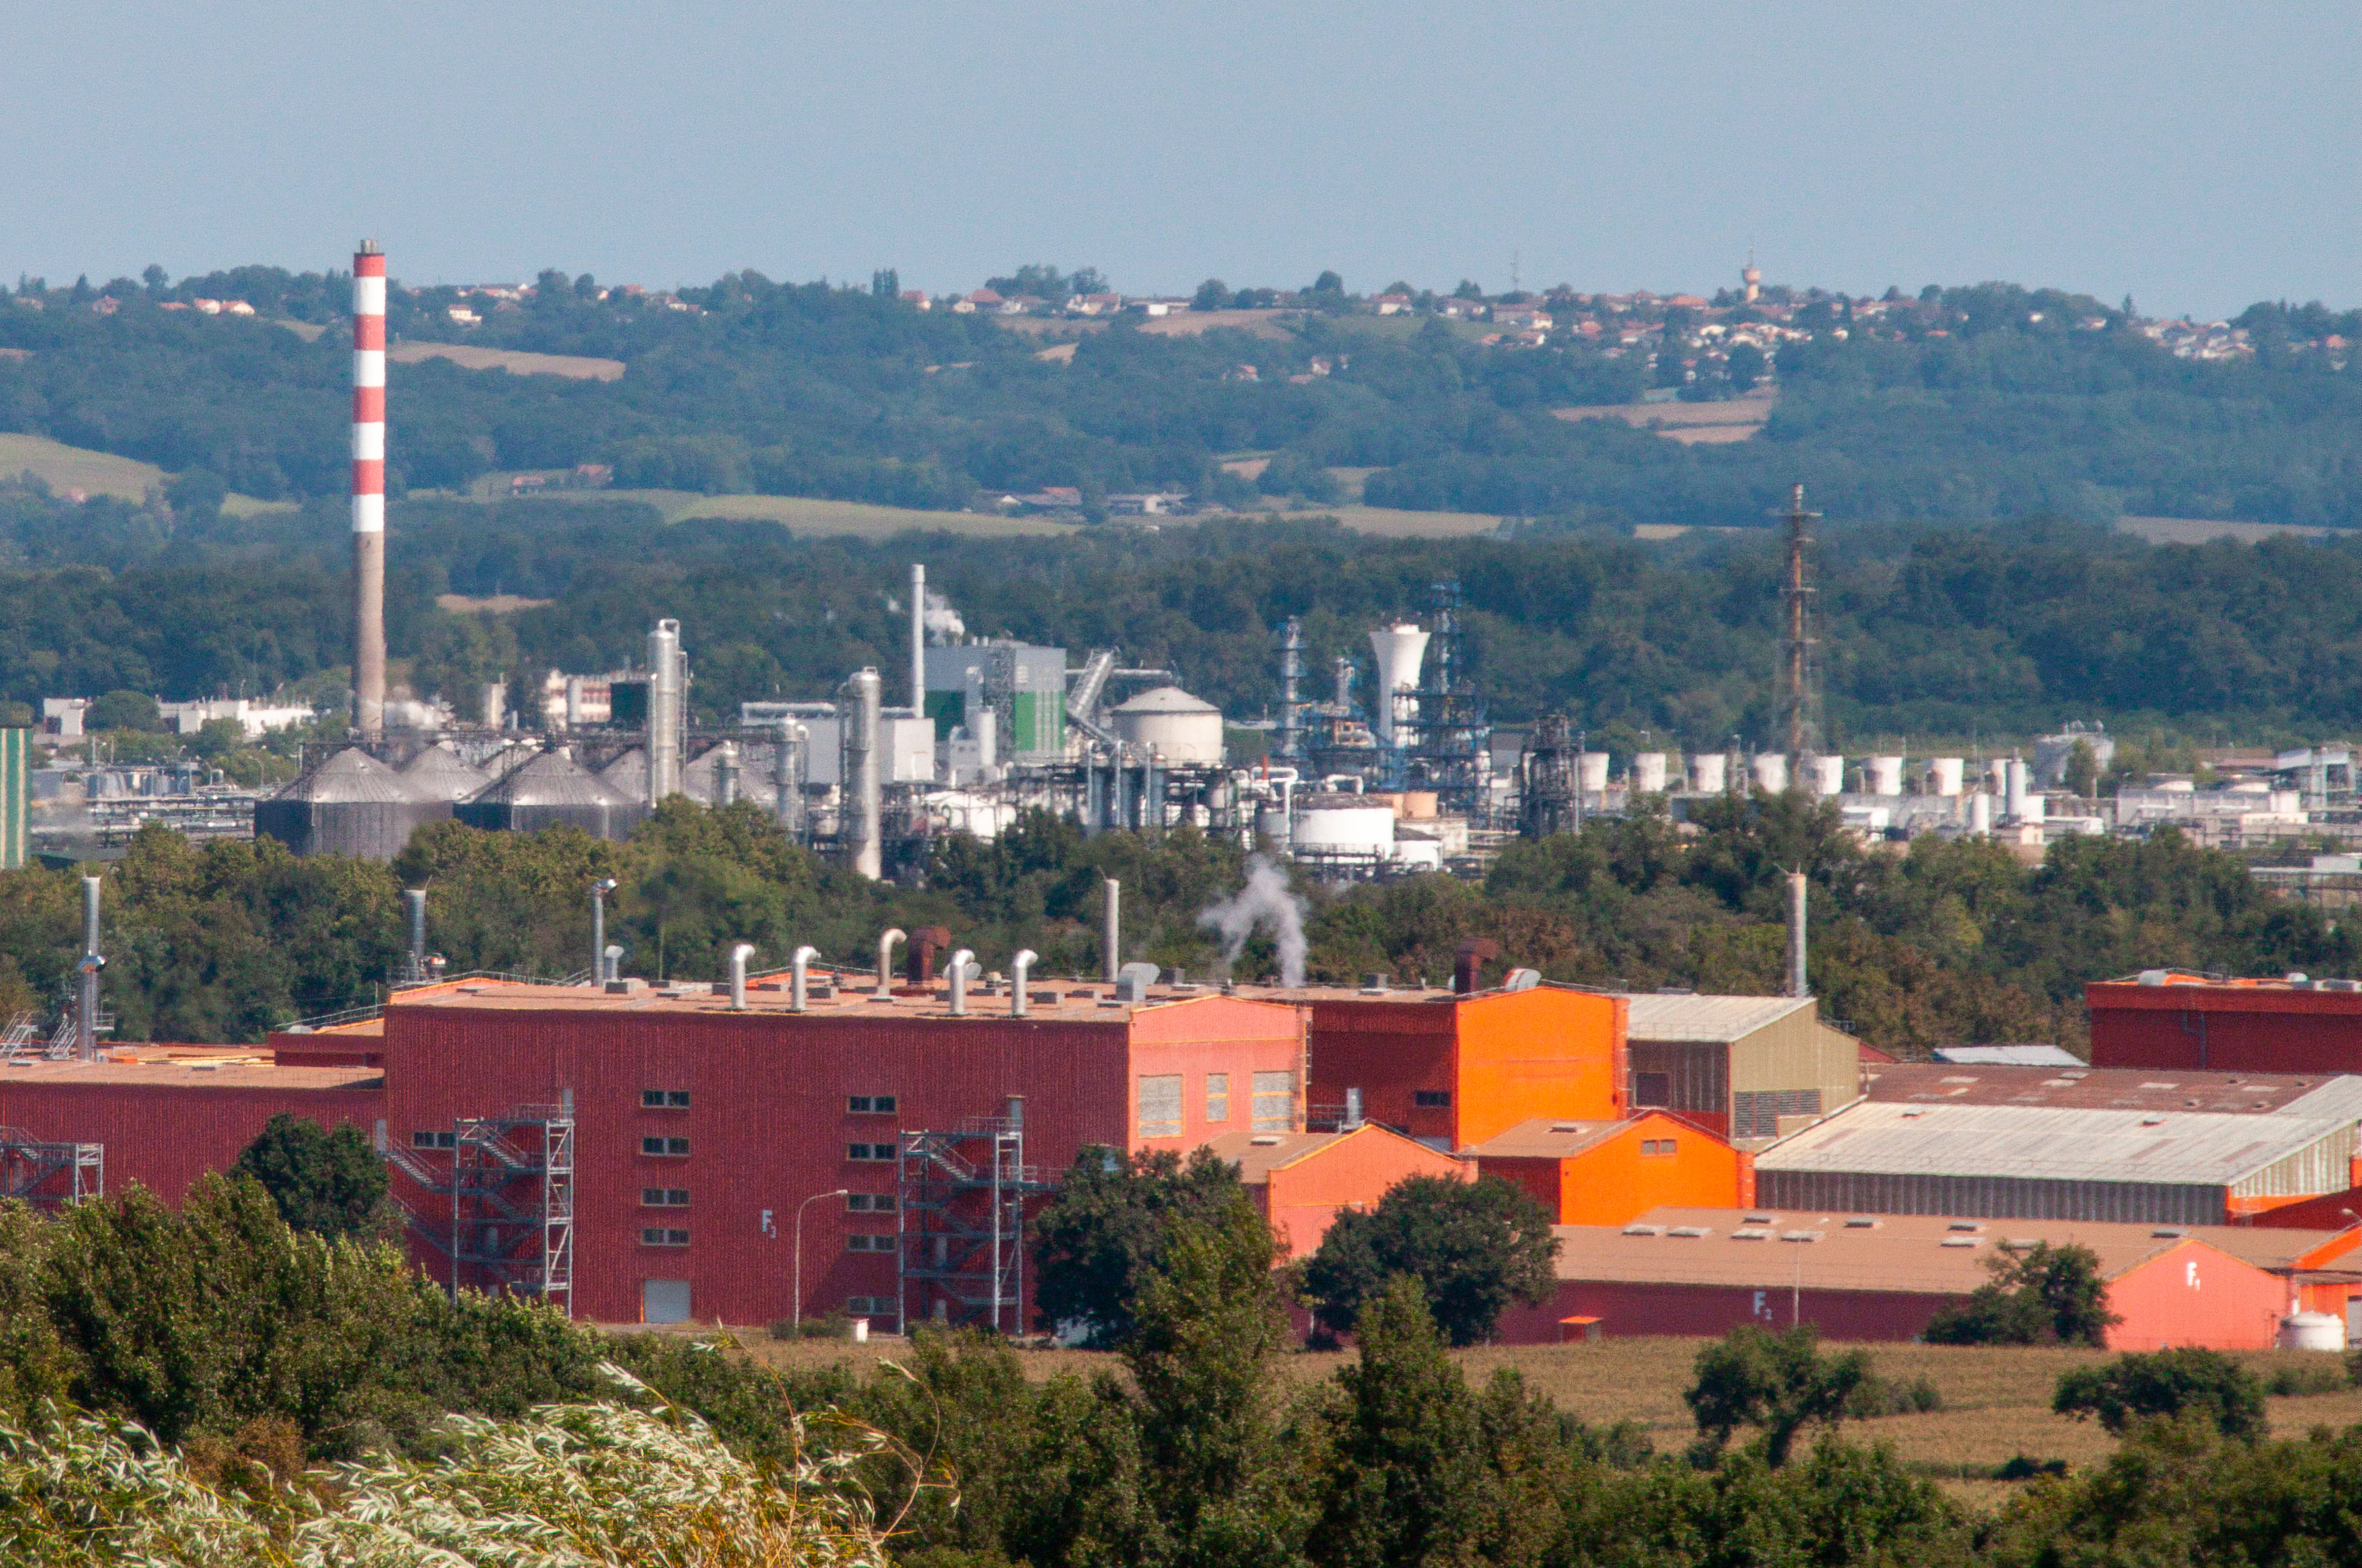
(1218, 1097)
(664, 1198)
(1652, 1088)
(1756, 1114)
(1431, 1098)
(434, 1140)
(664, 1099)
(869, 1243)
(657, 1236)
(869, 1306)
(869, 1203)
(1275, 1102)
(870, 1105)
(668, 1146)
(1657, 1148)
(870, 1151)
(1160, 1105)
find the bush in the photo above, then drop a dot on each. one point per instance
(2308, 1378)
(1473, 1247)
(2137, 1388)
(1778, 1382)
(2043, 1294)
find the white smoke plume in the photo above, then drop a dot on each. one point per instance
(1264, 900)
(942, 622)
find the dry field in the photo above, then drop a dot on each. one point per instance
(1996, 1399)
(1691, 424)
(64, 467)
(573, 366)
(2199, 530)
(1271, 324)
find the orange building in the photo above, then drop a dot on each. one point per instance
(1300, 1181)
(1606, 1172)
(1453, 1068)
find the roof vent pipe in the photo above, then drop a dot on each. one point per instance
(1353, 1110)
(797, 966)
(599, 949)
(919, 956)
(1471, 962)
(963, 964)
(1020, 974)
(1111, 930)
(1796, 908)
(615, 959)
(885, 941)
(738, 957)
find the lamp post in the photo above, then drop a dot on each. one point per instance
(796, 1310)
(599, 891)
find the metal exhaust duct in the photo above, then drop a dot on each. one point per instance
(615, 963)
(1111, 929)
(863, 787)
(416, 899)
(738, 957)
(1797, 904)
(599, 949)
(664, 711)
(798, 968)
(1021, 975)
(87, 999)
(885, 941)
(962, 962)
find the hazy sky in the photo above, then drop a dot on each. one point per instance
(2197, 156)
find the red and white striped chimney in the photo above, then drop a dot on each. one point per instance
(368, 489)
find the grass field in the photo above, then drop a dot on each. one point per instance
(65, 469)
(573, 366)
(1996, 1400)
(2199, 530)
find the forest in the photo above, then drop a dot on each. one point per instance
(1964, 636)
(1988, 401)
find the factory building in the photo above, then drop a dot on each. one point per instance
(1749, 1069)
(2003, 1141)
(1881, 1277)
(1606, 1172)
(1300, 1182)
(1024, 687)
(2169, 1020)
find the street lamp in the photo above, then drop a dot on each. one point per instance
(599, 891)
(796, 1310)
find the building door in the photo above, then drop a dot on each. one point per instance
(664, 1301)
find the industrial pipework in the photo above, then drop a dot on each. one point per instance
(788, 775)
(86, 1002)
(416, 899)
(864, 787)
(962, 962)
(664, 711)
(1111, 929)
(797, 967)
(369, 491)
(738, 957)
(1796, 909)
(725, 774)
(1020, 973)
(885, 941)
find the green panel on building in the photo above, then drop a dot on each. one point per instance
(16, 792)
(949, 710)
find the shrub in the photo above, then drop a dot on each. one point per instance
(1778, 1382)
(1473, 1248)
(2137, 1387)
(2036, 1296)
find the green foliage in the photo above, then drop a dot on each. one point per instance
(329, 1184)
(1472, 1247)
(123, 709)
(1098, 1241)
(2038, 1296)
(2144, 1385)
(1779, 1382)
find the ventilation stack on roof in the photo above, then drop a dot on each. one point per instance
(369, 489)
(349, 803)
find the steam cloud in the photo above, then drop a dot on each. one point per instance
(1264, 900)
(942, 622)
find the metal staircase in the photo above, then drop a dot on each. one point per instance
(505, 1220)
(961, 1220)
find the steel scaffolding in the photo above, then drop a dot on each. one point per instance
(960, 1225)
(510, 1190)
(47, 1172)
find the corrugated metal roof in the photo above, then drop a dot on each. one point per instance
(2116, 1089)
(350, 776)
(1901, 1252)
(1717, 1019)
(437, 774)
(549, 779)
(2048, 1144)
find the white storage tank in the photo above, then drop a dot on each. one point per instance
(1980, 813)
(1829, 776)
(1595, 772)
(1329, 824)
(1997, 777)
(1947, 775)
(1885, 775)
(1649, 772)
(1771, 772)
(1708, 775)
(2014, 790)
(2313, 1331)
(1182, 729)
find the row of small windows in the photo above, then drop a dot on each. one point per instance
(870, 1307)
(869, 1243)
(658, 1236)
(1273, 1109)
(1431, 1098)
(870, 1104)
(872, 1152)
(677, 1099)
(671, 1148)
(869, 1203)
(664, 1099)
(664, 1198)
(1659, 1148)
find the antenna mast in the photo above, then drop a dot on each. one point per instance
(1797, 705)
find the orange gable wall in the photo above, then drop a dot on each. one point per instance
(1302, 1198)
(1613, 1183)
(1539, 1052)
(2196, 1296)
(1212, 1034)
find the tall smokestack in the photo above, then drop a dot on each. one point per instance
(918, 640)
(369, 489)
(1796, 908)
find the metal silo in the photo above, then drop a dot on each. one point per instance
(435, 774)
(549, 790)
(347, 804)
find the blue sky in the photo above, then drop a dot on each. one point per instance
(2197, 156)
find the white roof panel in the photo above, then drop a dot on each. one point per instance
(1719, 1019)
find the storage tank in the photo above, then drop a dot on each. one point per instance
(1980, 813)
(1885, 775)
(1708, 774)
(1338, 824)
(1827, 776)
(1399, 650)
(1997, 778)
(1593, 774)
(347, 804)
(1947, 775)
(549, 790)
(435, 774)
(2313, 1331)
(1167, 721)
(628, 775)
(1649, 772)
(2014, 790)
(1771, 772)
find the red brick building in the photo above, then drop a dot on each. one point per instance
(2171, 1019)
